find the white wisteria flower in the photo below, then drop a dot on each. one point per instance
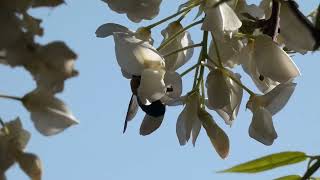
(13, 138)
(136, 10)
(230, 111)
(173, 82)
(137, 57)
(219, 139)
(267, 64)
(264, 107)
(188, 122)
(296, 31)
(217, 89)
(49, 114)
(54, 64)
(152, 86)
(107, 29)
(174, 61)
(134, 55)
(220, 20)
(228, 51)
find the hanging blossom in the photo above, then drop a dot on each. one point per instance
(189, 125)
(136, 10)
(267, 70)
(183, 40)
(145, 66)
(48, 113)
(296, 31)
(264, 107)
(220, 20)
(224, 95)
(229, 50)
(13, 140)
(174, 61)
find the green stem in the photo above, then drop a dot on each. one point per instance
(11, 97)
(164, 44)
(183, 16)
(189, 69)
(173, 15)
(311, 170)
(217, 50)
(182, 49)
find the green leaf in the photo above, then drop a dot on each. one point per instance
(289, 177)
(269, 162)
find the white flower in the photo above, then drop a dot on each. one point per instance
(13, 140)
(267, 64)
(49, 114)
(217, 89)
(53, 65)
(220, 20)
(228, 51)
(136, 10)
(230, 111)
(218, 137)
(264, 107)
(173, 83)
(296, 30)
(188, 121)
(152, 86)
(108, 29)
(134, 55)
(175, 61)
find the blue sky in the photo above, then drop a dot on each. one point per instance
(96, 148)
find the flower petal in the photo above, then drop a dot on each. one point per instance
(136, 10)
(174, 61)
(276, 65)
(296, 30)
(218, 137)
(108, 29)
(261, 127)
(133, 55)
(278, 97)
(150, 124)
(152, 86)
(217, 89)
(228, 49)
(187, 118)
(49, 114)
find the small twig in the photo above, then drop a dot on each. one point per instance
(182, 49)
(311, 170)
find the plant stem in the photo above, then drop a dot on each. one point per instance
(217, 50)
(189, 69)
(182, 49)
(11, 97)
(311, 170)
(169, 40)
(173, 15)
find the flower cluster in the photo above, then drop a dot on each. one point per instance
(49, 64)
(256, 38)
